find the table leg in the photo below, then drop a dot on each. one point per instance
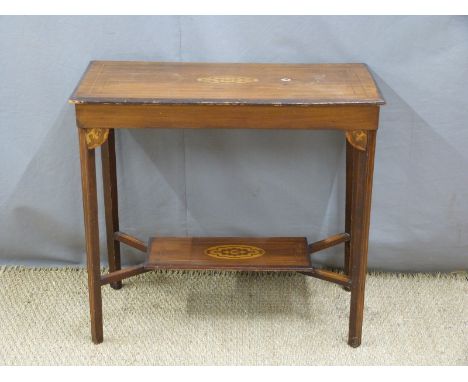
(109, 184)
(349, 189)
(360, 206)
(90, 210)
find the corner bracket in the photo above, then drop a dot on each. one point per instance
(96, 137)
(357, 139)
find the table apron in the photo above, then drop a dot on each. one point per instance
(339, 117)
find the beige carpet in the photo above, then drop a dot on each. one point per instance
(178, 318)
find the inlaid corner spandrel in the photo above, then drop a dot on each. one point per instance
(96, 137)
(357, 139)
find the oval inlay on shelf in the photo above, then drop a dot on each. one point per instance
(234, 251)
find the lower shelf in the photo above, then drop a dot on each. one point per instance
(230, 253)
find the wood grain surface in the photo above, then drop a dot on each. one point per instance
(133, 116)
(235, 253)
(222, 83)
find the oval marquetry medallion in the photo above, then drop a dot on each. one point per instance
(234, 251)
(227, 80)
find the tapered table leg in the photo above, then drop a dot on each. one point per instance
(90, 210)
(109, 184)
(349, 191)
(359, 219)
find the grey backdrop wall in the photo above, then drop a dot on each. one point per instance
(239, 182)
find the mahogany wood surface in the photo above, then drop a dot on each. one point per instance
(341, 117)
(91, 225)
(329, 242)
(348, 200)
(359, 220)
(118, 276)
(330, 276)
(234, 253)
(139, 82)
(131, 241)
(109, 185)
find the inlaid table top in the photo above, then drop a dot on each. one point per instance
(134, 82)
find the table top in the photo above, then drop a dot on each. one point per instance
(137, 82)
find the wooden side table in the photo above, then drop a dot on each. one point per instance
(115, 95)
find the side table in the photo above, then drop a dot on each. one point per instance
(130, 94)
